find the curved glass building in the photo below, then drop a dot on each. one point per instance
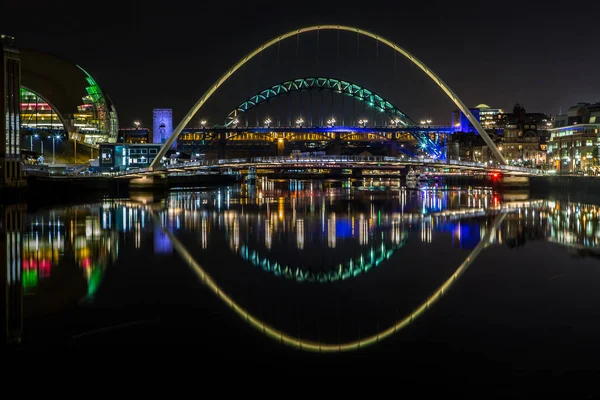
(59, 97)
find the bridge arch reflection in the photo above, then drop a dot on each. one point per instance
(316, 346)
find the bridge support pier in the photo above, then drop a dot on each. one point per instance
(515, 182)
(149, 183)
(357, 173)
(222, 146)
(337, 144)
(392, 149)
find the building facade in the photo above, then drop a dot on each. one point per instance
(162, 125)
(524, 137)
(10, 136)
(115, 157)
(574, 143)
(59, 97)
(134, 135)
(488, 117)
(461, 123)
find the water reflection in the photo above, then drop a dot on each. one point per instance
(299, 231)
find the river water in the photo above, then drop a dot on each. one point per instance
(439, 279)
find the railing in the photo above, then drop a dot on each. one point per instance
(329, 159)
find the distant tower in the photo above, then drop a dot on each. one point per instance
(10, 104)
(162, 126)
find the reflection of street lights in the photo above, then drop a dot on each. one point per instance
(268, 122)
(363, 122)
(331, 121)
(299, 122)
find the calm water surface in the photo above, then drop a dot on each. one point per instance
(441, 279)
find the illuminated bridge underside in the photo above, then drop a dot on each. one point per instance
(315, 346)
(208, 94)
(296, 134)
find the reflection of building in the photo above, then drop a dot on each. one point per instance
(120, 157)
(11, 225)
(162, 125)
(574, 141)
(10, 139)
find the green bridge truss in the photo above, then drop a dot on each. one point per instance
(328, 84)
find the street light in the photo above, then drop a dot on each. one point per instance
(331, 121)
(268, 122)
(396, 121)
(37, 136)
(203, 123)
(137, 124)
(423, 122)
(53, 148)
(363, 122)
(299, 122)
(235, 122)
(428, 121)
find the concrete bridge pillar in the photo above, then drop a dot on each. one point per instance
(515, 182)
(337, 144)
(148, 183)
(357, 172)
(222, 146)
(392, 148)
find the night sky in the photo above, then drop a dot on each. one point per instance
(166, 54)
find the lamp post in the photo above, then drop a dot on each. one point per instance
(53, 149)
(203, 123)
(363, 122)
(268, 122)
(299, 122)
(331, 121)
(37, 136)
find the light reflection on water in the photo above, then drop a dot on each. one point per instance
(301, 232)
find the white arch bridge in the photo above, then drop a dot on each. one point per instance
(445, 88)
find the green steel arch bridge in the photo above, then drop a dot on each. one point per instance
(428, 138)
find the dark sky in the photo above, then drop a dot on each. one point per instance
(166, 54)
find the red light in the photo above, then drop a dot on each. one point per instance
(495, 174)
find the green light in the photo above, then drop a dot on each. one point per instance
(30, 278)
(95, 280)
(330, 84)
